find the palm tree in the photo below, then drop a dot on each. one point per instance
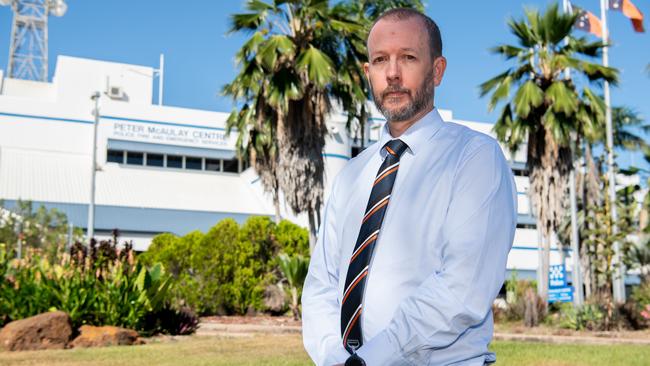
(543, 108)
(303, 56)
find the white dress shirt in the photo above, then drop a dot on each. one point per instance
(440, 258)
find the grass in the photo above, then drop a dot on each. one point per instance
(287, 350)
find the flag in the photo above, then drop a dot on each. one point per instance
(588, 22)
(629, 10)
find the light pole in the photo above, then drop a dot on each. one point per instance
(619, 269)
(91, 207)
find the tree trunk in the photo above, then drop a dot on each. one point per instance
(276, 205)
(549, 165)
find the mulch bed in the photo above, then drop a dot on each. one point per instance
(546, 330)
(253, 320)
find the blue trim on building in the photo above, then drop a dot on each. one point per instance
(46, 118)
(566, 250)
(338, 156)
(162, 123)
(137, 219)
(111, 118)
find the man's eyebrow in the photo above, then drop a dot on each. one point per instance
(409, 49)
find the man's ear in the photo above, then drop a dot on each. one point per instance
(439, 67)
(366, 69)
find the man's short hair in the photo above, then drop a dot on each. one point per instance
(435, 40)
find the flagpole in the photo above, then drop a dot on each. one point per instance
(576, 273)
(619, 270)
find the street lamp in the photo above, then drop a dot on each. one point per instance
(91, 207)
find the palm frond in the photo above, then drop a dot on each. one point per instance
(529, 96)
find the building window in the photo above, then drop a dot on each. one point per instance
(520, 172)
(213, 165)
(193, 163)
(115, 156)
(134, 158)
(155, 160)
(231, 166)
(526, 226)
(174, 161)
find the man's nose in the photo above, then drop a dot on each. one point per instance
(393, 73)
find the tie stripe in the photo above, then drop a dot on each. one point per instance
(359, 277)
(382, 202)
(358, 269)
(386, 173)
(365, 243)
(352, 321)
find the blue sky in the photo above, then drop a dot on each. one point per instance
(199, 54)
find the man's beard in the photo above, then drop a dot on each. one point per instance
(423, 98)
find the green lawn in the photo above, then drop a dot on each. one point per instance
(287, 350)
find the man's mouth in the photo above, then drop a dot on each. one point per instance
(395, 94)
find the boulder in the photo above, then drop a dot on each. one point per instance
(91, 336)
(44, 331)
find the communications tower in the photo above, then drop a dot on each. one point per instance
(28, 46)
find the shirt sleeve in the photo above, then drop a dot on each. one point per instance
(321, 311)
(478, 232)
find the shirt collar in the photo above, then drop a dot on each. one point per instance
(418, 134)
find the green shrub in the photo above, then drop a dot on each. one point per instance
(226, 270)
(587, 316)
(175, 254)
(255, 249)
(214, 262)
(99, 286)
(292, 238)
(641, 294)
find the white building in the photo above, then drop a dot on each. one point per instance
(160, 168)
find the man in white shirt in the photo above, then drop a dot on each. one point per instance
(417, 229)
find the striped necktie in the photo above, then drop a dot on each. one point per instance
(352, 303)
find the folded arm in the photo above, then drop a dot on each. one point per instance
(321, 311)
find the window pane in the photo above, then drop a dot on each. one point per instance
(213, 165)
(115, 156)
(154, 160)
(193, 163)
(134, 158)
(174, 161)
(230, 166)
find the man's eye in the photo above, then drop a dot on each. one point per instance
(409, 57)
(379, 59)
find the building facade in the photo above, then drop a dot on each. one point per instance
(160, 168)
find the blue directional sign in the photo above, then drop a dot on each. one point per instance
(562, 294)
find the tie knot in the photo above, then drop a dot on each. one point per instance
(396, 147)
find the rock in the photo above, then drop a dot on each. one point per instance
(44, 331)
(274, 299)
(91, 336)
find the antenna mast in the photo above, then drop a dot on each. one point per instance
(28, 46)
